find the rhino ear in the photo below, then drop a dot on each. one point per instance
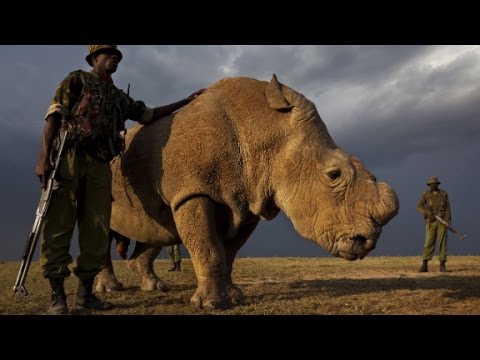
(275, 98)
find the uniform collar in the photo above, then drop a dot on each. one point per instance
(96, 75)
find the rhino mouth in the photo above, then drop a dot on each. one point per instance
(355, 246)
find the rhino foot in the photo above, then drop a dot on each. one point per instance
(235, 293)
(106, 282)
(153, 283)
(101, 288)
(201, 300)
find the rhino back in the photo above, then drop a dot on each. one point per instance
(220, 146)
(139, 210)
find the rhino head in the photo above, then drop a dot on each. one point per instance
(329, 195)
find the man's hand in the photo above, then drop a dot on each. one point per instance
(44, 167)
(43, 170)
(195, 94)
(429, 216)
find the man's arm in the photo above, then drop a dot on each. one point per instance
(421, 204)
(65, 98)
(425, 210)
(50, 131)
(138, 111)
(162, 111)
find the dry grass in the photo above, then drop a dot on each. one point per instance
(324, 286)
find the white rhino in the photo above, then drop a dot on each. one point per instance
(242, 151)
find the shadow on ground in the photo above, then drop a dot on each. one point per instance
(459, 288)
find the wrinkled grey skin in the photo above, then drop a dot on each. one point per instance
(241, 152)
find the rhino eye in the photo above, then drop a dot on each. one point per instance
(334, 174)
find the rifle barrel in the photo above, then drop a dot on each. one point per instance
(459, 235)
(42, 208)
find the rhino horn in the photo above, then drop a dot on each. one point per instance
(275, 97)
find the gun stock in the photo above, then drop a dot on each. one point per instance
(45, 197)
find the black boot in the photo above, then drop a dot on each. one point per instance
(58, 305)
(424, 267)
(442, 266)
(177, 266)
(85, 299)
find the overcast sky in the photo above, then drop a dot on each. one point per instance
(408, 112)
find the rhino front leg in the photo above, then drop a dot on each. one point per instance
(141, 262)
(231, 249)
(106, 279)
(197, 227)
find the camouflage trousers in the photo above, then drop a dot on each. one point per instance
(174, 253)
(435, 231)
(85, 197)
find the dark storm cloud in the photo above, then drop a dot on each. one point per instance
(356, 64)
(408, 112)
(423, 110)
(409, 130)
(162, 74)
(318, 67)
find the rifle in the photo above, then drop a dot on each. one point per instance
(45, 197)
(460, 236)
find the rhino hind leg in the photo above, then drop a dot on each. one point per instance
(106, 279)
(231, 249)
(141, 262)
(197, 227)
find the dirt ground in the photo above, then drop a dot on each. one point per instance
(283, 286)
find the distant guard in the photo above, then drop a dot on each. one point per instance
(434, 202)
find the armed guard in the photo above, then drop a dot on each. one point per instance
(94, 111)
(434, 202)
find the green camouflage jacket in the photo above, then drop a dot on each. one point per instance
(95, 112)
(436, 203)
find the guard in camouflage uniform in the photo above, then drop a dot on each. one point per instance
(94, 111)
(434, 202)
(175, 257)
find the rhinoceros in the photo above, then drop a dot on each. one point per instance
(242, 151)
